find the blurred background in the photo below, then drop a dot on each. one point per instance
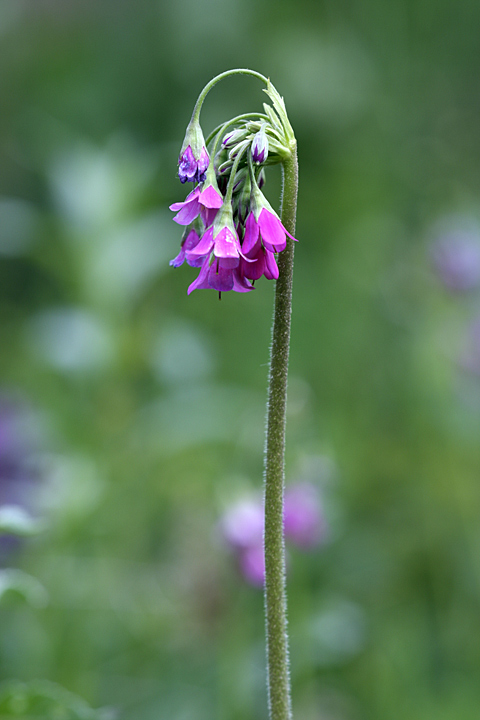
(131, 415)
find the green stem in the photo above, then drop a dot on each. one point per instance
(275, 594)
(215, 80)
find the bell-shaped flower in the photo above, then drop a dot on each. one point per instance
(189, 242)
(204, 200)
(217, 274)
(221, 238)
(194, 159)
(264, 220)
(264, 263)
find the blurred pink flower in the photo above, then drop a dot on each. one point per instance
(242, 528)
(303, 517)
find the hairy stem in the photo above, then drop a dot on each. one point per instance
(275, 594)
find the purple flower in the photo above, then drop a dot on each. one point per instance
(18, 476)
(220, 249)
(194, 160)
(191, 168)
(217, 274)
(243, 524)
(199, 201)
(264, 263)
(190, 241)
(260, 146)
(261, 240)
(304, 522)
(456, 258)
(221, 222)
(252, 565)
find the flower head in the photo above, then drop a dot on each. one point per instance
(233, 234)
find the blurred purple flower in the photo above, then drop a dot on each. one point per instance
(242, 524)
(304, 521)
(242, 528)
(456, 259)
(18, 477)
(252, 564)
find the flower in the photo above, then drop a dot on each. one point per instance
(252, 565)
(242, 524)
(202, 200)
(220, 249)
(456, 258)
(264, 263)
(189, 242)
(217, 275)
(233, 234)
(191, 168)
(194, 159)
(242, 528)
(304, 522)
(19, 476)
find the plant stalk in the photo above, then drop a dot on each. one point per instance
(279, 696)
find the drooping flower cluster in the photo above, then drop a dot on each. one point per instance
(231, 231)
(242, 528)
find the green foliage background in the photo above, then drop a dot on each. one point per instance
(151, 403)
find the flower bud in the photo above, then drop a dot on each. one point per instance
(234, 137)
(259, 147)
(194, 160)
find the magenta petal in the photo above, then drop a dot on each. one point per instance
(251, 234)
(187, 168)
(205, 245)
(229, 262)
(203, 162)
(191, 196)
(240, 283)
(211, 198)
(191, 240)
(208, 215)
(254, 270)
(304, 520)
(195, 260)
(176, 262)
(201, 283)
(220, 278)
(190, 244)
(226, 244)
(272, 231)
(188, 213)
(271, 267)
(252, 564)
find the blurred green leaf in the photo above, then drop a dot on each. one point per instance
(46, 701)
